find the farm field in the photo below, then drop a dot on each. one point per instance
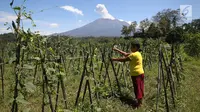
(70, 69)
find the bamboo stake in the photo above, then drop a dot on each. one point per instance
(165, 89)
(117, 81)
(82, 77)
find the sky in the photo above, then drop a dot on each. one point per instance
(55, 16)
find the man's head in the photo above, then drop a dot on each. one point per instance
(135, 46)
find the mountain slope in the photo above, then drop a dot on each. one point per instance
(97, 28)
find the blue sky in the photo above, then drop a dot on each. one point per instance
(64, 15)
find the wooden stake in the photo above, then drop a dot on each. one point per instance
(82, 77)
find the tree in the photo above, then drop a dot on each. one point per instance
(193, 27)
(8, 37)
(169, 14)
(168, 18)
(153, 31)
(125, 31)
(145, 24)
(132, 27)
(175, 36)
(196, 24)
(164, 25)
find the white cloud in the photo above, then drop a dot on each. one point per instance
(101, 9)
(6, 17)
(53, 25)
(72, 9)
(46, 24)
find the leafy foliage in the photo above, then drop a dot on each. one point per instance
(125, 31)
(192, 46)
(175, 36)
(145, 24)
(153, 31)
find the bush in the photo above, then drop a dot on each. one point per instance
(192, 46)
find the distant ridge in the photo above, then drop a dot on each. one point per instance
(98, 28)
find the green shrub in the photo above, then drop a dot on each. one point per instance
(192, 46)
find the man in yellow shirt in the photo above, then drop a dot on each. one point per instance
(136, 69)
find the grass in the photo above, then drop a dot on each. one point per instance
(188, 99)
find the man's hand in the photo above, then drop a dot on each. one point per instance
(113, 59)
(120, 51)
(115, 48)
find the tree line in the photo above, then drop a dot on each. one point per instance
(161, 25)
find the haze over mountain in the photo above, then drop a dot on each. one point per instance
(97, 28)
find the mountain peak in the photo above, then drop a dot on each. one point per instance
(108, 19)
(100, 27)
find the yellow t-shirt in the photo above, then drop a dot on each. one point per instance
(136, 67)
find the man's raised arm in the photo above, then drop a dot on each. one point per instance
(121, 52)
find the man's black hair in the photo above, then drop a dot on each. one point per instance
(137, 44)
